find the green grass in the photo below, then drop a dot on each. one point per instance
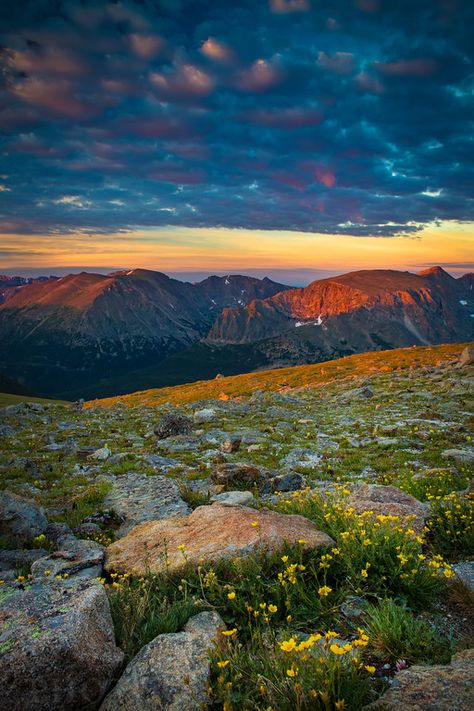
(7, 399)
(397, 634)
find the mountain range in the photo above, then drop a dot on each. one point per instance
(91, 334)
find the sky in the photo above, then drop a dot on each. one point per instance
(284, 137)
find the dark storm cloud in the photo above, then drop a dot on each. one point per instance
(350, 117)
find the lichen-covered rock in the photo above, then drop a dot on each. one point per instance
(209, 533)
(172, 424)
(235, 474)
(75, 558)
(137, 498)
(171, 672)
(432, 688)
(388, 501)
(57, 648)
(20, 519)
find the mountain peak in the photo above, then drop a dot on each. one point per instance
(436, 271)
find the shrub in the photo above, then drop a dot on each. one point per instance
(375, 554)
(451, 524)
(396, 634)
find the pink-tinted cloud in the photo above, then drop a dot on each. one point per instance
(367, 6)
(187, 81)
(368, 83)
(146, 46)
(408, 67)
(339, 63)
(51, 61)
(285, 6)
(170, 172)
(325, 176)
(285, 119)
(159, 127)
(55, 96)
(259, 77)
(217, 51)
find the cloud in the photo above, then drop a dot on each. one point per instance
(261, 76)
(217, 51)
(285, 6)
(339, 62)
(408, 67)
(328, 117)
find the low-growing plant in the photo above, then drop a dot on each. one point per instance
(314, 672)
(439, 483)
(397, 634)
(451, 524)
(192, 497)
(146, 607)
(85, 503)
(375, 554)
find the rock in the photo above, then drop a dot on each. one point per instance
(388, 501)
(432, 688)
(234, 498)
(364, 392)
(205, 415)
(465, 572)
(78, 559)
(57, 648)
(101, 454)
(467, 357)
(235, 474)
(15, 559)
(20, 519)
(158, 462)
(292, 481)
(208, 534)
(55, 531)
(172, 424)
(464, 456)
(87, 529)
(231, 444)
(171, 672)
(301, 458)
(138, 498)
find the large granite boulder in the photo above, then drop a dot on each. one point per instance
(20, 519)
(171, 672)
(209, 533)
(57, 648)
(432, 688)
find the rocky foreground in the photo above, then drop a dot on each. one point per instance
(304, 545)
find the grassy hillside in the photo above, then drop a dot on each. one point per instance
(318, 375)
(8, 399)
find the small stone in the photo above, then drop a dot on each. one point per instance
(463, 456)
(231, 444)
(205, 415)
(234, 498)
(235, 474)
(101, 454)
(467, 357)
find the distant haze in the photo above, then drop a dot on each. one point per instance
(292, 277)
